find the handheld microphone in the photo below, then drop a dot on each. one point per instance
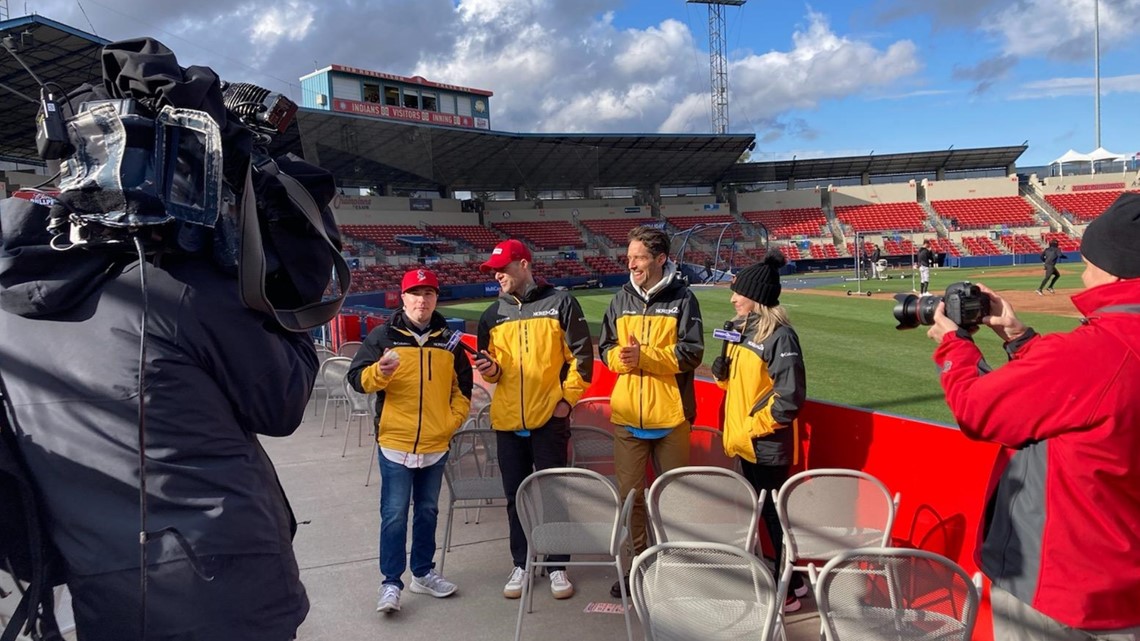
(455, 339)
(728, 335)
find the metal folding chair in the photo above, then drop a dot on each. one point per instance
(895, 594)
(703, 504)
(333, 373)
(566, 510)
(470, 474)
(693, 591)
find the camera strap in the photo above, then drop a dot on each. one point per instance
(251, 275)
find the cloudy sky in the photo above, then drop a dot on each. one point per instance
(830, 77)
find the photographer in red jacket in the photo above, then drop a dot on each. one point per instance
(1059, 538)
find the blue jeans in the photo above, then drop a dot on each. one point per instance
(400, 487)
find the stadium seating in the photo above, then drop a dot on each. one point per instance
(979, 213)
(1084, 205)
(1020, 244)
(892, 247)
(614, 230)
(544, 235)
(603, 265)
(945, 246)
(880, 217)
(980, 246)
(477, 236)
(1065, 242)
(785, 223)
(824, 250)
(688, 222)
(791, 252)
(384, 236)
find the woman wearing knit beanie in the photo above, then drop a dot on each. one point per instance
(763, 377)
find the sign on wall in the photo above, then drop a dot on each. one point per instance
(401, 113)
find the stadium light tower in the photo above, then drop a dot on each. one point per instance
(718, 61)
(1096, 65)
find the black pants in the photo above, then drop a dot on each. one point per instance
(771, 478)
(1050, 270)
(257, 596)
(519, 456)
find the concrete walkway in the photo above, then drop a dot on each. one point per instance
(337, 549)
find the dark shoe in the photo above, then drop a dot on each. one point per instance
(1050, 290)
(615, 590)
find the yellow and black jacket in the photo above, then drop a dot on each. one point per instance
(543, 347)
(427, 398)
(659, 392)
(765, 390)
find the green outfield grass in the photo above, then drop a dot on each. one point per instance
(852, 352)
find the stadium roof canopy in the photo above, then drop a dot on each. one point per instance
(57, 54)
(923, 162)
(364, 151)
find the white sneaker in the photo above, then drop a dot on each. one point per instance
(389, 598)
(514, 586)
(434, 584)
(560, 585)
(801, 591)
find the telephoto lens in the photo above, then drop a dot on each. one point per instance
(911, 311)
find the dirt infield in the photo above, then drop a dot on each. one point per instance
(1022, 300)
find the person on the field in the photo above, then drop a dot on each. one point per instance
(1059, 537)
(765, 388)
(925, 262)
(1050, 256)
(423, 393)
(537, 350)
(653, 339)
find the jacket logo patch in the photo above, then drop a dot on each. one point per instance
(755, 346)
(546, 312)
(787, 354)
(946, 365)
(663, 310)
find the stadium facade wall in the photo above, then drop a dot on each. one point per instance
(972, 188)
(873, 194)
(679, 210)
(770, 200)
(1115, 181)
(529, 213)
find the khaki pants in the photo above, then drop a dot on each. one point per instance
(1016, 621)
(631, 454)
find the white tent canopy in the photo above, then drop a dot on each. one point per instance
(1099, 155)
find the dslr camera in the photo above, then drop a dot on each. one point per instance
(966, 305)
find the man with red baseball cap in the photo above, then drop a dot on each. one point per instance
(504, 254)
(537, 349)
(423, 393)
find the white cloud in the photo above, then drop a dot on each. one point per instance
(1063, 29)
(290, 21)
(1057, 87)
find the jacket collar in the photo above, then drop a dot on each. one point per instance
(666, 282)
(1125, 292)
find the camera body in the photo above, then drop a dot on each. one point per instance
(966, 305)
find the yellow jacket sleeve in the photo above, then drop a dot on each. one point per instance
(460, 404)
(373, 380)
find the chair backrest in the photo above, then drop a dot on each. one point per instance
(826, 511)
(592, 448)
(358, 404)
(333, 373)
(470, 468)
(348, 349)
(568, 510)
(707, 448)
(688, 590)
(702, 503)
(324, 353)
(594, 411)
(480, 398)
(896, 594)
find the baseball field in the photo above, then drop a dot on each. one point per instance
(852, 352)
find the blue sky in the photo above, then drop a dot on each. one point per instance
(812, 79)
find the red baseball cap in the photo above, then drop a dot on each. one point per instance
(504, 254)
(419, 278)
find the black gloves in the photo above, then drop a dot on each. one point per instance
(720, 368)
